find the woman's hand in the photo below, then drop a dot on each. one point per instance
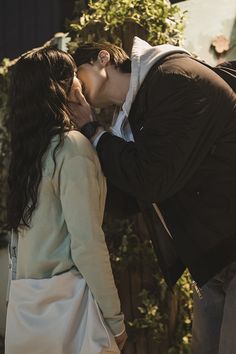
(81, 112)
(121, 339)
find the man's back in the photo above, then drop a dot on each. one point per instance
(189, 132)
(184, 124)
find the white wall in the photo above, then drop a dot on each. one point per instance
(206, 19)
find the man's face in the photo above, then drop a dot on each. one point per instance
(94, 79)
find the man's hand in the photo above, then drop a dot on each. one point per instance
(81, 112)
(120, 340)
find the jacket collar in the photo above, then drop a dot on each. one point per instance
(143, 57)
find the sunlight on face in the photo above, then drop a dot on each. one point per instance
(93, 79)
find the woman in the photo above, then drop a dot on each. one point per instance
(56, 202)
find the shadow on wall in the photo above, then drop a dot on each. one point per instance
(232, 52)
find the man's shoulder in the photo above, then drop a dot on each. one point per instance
(178, 65)
(172, 72)
(177, 70)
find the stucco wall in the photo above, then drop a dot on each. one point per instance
(206, 19)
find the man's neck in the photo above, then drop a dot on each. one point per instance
(117, 87)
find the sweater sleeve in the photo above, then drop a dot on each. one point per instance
(181, 123)
(80, 198)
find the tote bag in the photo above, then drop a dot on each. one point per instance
(58, 315)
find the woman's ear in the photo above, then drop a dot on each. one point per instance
(104, 57)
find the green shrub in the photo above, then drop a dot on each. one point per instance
(155, 20)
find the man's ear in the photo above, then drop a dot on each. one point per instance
(104, 57)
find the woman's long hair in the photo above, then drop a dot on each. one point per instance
(38, 110)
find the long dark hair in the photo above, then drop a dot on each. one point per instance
(38, 110)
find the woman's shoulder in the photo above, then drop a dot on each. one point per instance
(73, 145)
(77, 145)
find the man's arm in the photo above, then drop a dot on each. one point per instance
(120, 204)
(183, 123)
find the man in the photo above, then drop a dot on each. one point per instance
(172, 153)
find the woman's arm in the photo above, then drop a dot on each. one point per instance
(80, 197)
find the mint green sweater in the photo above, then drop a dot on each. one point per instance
(66, 230)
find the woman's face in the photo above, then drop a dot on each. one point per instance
(75, 91)
(79, 108)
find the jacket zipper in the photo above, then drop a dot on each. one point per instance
(198, 290)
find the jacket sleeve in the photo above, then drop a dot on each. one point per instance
(181, 123)
(120, 204)
(80, 198)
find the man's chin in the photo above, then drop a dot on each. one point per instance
(105, 105)
(97, 104)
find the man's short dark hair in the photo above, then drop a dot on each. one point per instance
(88, 54)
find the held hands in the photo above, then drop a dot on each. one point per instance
(121, 339)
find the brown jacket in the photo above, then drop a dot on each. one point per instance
(184, 158)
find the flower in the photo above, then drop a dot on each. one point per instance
(220, 44)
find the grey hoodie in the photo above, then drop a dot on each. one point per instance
(143, 57)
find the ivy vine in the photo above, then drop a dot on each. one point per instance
(128, 250)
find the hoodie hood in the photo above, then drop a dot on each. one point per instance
(143, 57)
